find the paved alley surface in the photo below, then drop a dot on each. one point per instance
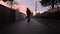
(23, 27)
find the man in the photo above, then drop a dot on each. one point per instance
(28, 12)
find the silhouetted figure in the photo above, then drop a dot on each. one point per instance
(28, 12)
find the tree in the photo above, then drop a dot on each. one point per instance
(49, 2)
(8, 0)
(11, 1)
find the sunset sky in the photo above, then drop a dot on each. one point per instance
(23, 4)
(31, 4)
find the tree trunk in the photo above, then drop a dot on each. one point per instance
(52, 4)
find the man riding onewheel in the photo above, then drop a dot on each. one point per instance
(28, 12)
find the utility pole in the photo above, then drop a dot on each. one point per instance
(11, 4)
(11, 1)
(35, 6)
